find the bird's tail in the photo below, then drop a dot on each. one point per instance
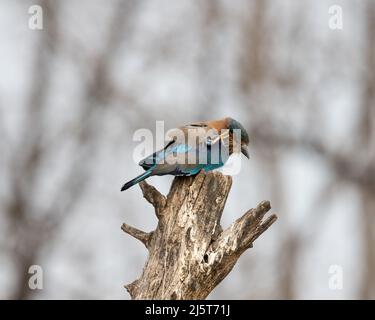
(136, 180)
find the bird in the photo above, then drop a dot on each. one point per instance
(183, 155)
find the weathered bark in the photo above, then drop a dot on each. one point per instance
(189, 253)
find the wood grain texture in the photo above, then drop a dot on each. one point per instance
(189, 253)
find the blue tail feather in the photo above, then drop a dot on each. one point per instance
(136, 180)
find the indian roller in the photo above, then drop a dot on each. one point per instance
(195, 147)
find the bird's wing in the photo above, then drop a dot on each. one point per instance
(154, 158)
(197, 125)
(179, 151)
(172, 160)
(172, 152)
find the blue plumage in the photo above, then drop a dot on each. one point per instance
(188, 158)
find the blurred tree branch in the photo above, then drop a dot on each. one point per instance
(367, 144)
(30, 226)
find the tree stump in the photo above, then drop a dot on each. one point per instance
(189, 253)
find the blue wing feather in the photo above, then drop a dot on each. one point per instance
(210, 152)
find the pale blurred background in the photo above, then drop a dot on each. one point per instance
(72, 95)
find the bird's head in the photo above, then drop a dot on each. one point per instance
(235, 126)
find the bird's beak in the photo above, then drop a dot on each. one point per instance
(245, 151)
